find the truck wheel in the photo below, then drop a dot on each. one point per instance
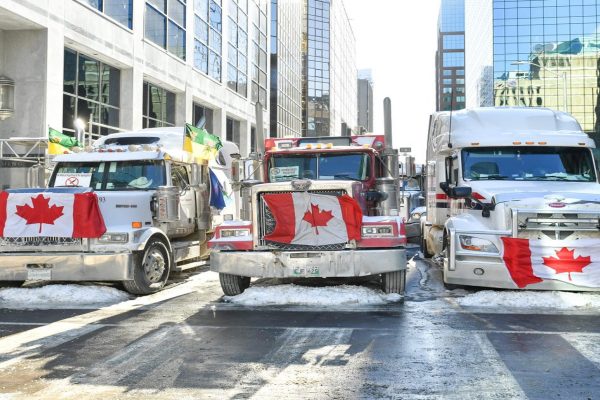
(393, 282)
(426, 253)
(151, 269)
(233, 285)
(11, 283)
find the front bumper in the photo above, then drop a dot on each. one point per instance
(66, 266)
(295, 264)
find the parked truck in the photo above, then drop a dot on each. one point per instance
(513, 199)
(132, 208)
(315, 207)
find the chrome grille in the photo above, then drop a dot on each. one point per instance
(266, 224)
(39, 241)
(557, 226)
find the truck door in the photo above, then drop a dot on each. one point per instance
(180, 177)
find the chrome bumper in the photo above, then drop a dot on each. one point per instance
(295, 264)
(66, 266)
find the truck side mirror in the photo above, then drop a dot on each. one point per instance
(459, 192)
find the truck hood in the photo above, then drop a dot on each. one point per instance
(120, 209)
(538, 192)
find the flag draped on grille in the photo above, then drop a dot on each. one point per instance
(533, 261)
(313, 219)
(59, 143)
(201, 144)
(75, 215)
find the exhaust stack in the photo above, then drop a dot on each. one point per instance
(387, 122)
(260, 136)
(388, 184)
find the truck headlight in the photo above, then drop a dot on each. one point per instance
(112, 237)
(471, 243)
(377, 231)
(234, 232)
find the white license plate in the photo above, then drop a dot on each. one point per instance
(39, 274)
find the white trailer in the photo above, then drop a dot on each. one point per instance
(513, 199)
(153, 200)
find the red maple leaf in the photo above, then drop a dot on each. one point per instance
(315, 217)
(41, 212)
(566, 262)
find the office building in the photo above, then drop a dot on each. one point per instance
(450, 56)
(543, 53)
(329, 69)
(365, 101)
(125, 64)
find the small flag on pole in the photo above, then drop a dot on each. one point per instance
(201, 144)
(59, 143)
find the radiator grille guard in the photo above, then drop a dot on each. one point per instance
(266, 225)
(37, 242)
(557, 225)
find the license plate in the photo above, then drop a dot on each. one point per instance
(39, 274)
(307, 271)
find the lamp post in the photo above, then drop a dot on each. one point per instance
(563, 75)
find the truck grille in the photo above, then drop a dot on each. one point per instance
(266, 224)
(557, 226)
(23, 243)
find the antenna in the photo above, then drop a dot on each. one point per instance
(450, 123)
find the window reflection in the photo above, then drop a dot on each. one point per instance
(159, 107)
(119, 10)
(165, 25)
(207, 34)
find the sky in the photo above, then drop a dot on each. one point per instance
(398, 44)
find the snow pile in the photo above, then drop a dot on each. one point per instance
(522, 299)
(60, 296)
(312, 296)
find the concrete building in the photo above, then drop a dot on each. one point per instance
(124, 64)
(450, 56)
(535, 53)
(329, 70)
(365, 101)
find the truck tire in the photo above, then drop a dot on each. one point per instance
(233, 285)
(393, 282)
(12, 284)
(426, 253)
(151, 269)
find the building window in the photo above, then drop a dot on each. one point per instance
(208, 30)
(259, 53)
(119, 10)
(455, 59)
(91, 92)
(237, 58)
(159, 107)
(232, 131)
(165, 25)
(200, 112)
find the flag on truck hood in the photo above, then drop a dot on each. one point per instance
(200, 143)
(533, 261)
(313, 219)
(74, 215)
(59, 143)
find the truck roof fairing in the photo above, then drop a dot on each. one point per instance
(503, 126)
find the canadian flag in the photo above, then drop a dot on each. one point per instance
(532, 261)
(75, 215)
(313, 219)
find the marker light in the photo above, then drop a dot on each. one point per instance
(136, 224)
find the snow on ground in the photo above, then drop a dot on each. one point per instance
(312, 296)
(519, 299)
(60, 296)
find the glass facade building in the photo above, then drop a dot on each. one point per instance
(450, 56)
(541, 53)
(285, 91)
(329, 65)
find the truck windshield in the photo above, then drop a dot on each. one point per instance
(110, 175)
(354, 166)
(528, 164)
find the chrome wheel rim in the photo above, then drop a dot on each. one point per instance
(154, 265)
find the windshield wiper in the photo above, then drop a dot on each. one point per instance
(491, 177)
(545, 178)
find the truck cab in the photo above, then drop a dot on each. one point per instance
(506, 178)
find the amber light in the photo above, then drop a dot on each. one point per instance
(516, 142)
(136, 224)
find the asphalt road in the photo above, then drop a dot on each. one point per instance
(185, 343)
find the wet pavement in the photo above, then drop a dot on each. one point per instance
(185, 343)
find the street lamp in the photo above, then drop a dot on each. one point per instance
(564, 78)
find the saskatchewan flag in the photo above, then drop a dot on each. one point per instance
(201, 144)
(59, 143)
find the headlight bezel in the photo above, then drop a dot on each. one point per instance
(474, 244)
(114, 237)
(234, 232)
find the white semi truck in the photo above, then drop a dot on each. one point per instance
(153, 201)
(513, 199)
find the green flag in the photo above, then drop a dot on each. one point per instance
(59, 143)
(200, 143)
